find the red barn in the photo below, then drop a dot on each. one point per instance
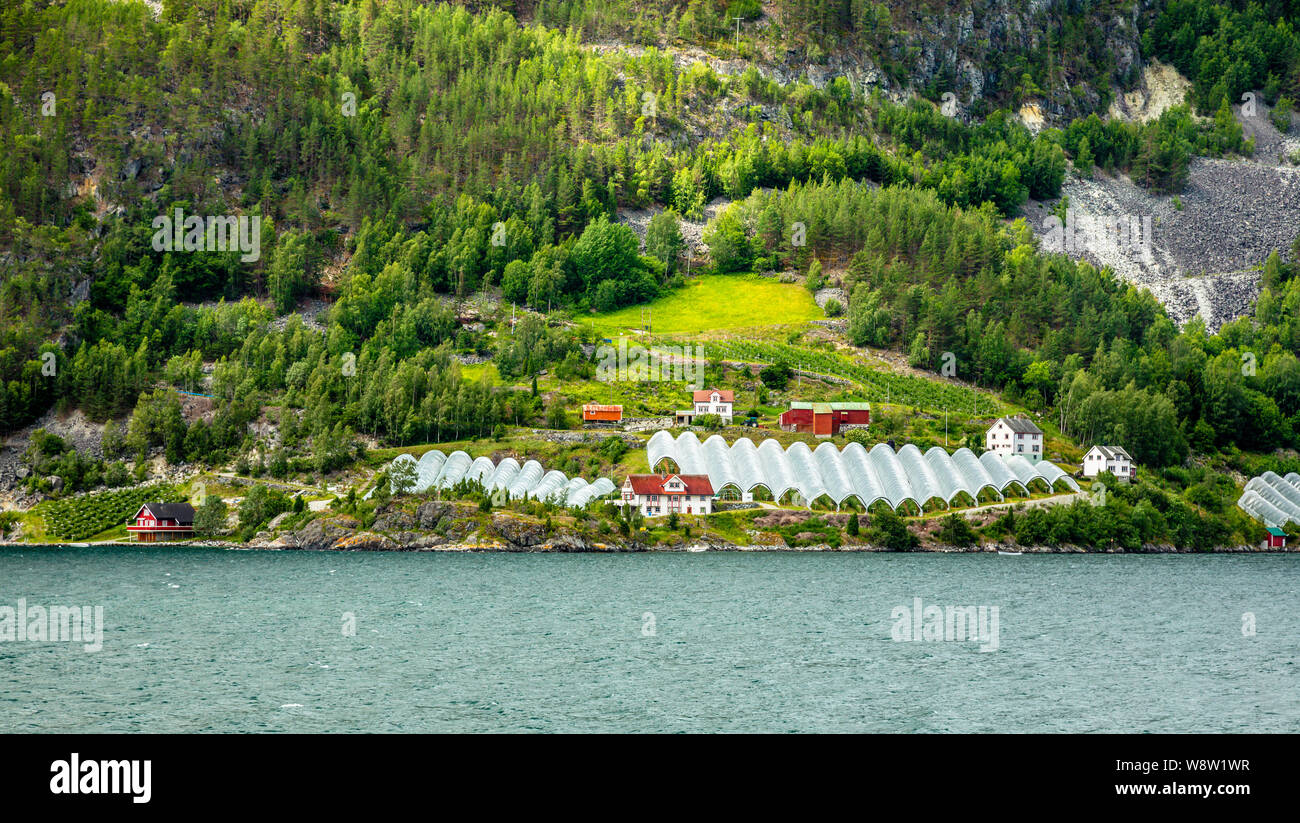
(595, 412)
(824, 419)
(1276, 538)
(156, 522)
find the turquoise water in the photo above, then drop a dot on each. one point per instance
(200, 640)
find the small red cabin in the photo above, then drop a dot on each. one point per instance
(595, 412)
(160, 522)
(1276, 538)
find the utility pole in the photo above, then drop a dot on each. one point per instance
(737, 19)
(945, 427)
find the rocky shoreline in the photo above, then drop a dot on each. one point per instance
(374, 542)
(456, 526)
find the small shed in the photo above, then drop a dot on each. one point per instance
(1276, 538)
(595, 412)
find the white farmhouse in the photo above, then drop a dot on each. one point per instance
(1111, 459)
(708, 401)
(1015, 435)
(657, 495)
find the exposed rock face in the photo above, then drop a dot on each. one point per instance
(394, 520)
(277, 520)
(567, 541)
(319, 535)
(431, 513)
(414, 541)
(518, 532)
(1199, 259)
(366, 542)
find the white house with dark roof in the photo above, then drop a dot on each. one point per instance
(1111, 459)
(1015, 435)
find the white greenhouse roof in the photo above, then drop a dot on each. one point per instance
(870, 476)
(1272, 500)
(436, 470)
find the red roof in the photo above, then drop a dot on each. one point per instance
(706, 395)
(654, 483)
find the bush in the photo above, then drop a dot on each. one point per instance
(889, 530)
(712, 422)
(1281, 114)
(956, 531)
(776, 376)
(210, 519)
(833, 308)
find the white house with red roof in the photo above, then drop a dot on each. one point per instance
(658, 495)
(709, 401)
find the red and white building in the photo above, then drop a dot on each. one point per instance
(659, 495)
(160, 522)
(1015, 435)
(708, 401)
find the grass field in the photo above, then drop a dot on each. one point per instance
(717, 301)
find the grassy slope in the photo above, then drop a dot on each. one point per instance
(716, 301)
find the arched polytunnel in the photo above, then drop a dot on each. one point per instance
(1272, 500)
(436, 470)
(905, 476)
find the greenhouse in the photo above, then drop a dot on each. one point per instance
(436, 470)
(867, 477)
(1272, 500)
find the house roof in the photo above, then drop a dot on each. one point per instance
(1276, 532)
(654, 483)
(724, 395)
(851, 406)
(1019, 425)
(180, 512)
(1113, 453)
(599, 407)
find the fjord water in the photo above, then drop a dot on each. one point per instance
(205, 640)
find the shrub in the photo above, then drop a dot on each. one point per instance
(889, 530)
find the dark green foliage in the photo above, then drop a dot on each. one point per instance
(954, 530)
(890, 531)
(210, 517)
(776, 376)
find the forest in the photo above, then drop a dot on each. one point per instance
(406, 157)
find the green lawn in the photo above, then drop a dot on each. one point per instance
(716, 301)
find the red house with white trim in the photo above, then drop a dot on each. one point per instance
(658, 495)
(160, 522)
